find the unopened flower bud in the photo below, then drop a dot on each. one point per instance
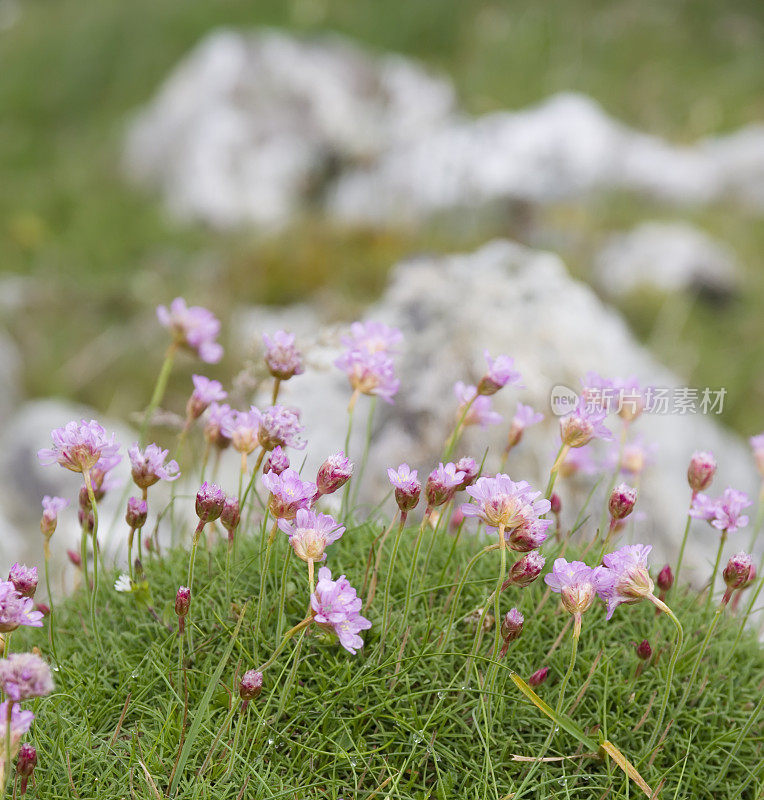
(209, 502)
(251, 685)
(334, 473)
(24, 579)
(622, 500)
(86, 519)
(737, 571)
(137, 511)
(512, 625)
(538, 677)
(556, 503)
(230, 515)
(665, 578)
(470, 468)
(644, 651)
(526, 570)
(25, 764)
(74, 557)
(43, 608)
(701, 471)
(277, 461)
(182, 604)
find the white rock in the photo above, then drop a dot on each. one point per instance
(669, 257)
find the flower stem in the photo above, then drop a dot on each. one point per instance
(559, 458)
(571, 665)
(276, 387)
(453, 439)
(681, 549)
(346, 490)
(389, 581)
(159, 390)
(412, 572)
(287, 636)
(263, 573)
(722, 541)
(94, 593)
(672, 664)
(366, 446)
(51, 623)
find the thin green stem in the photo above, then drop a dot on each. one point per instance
(287, 636)
(412, 572)
(758, 521)
(263, 573)
(389, 581)
(282, 595)
(696, 665)
(51, 621)
(428, 554)
(744, 621)
(681, 548)
(672, 664)
(453, 439)
(94, 593)
(367, 444)
(159, 390)
(559, 458)
(744, 731)
(346, 491)
(719, 552)
(572, 664)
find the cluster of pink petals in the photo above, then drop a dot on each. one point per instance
(480, 412)
(289, 493)
(20, 722)
(193, 327)
(276, 461)
(370, 373)
(206, 391)
(584, 423)
(372, 337)
(217, 414)
(16, 610)
(336, 607)
(310, 534)
(78, 446)
(624, 578)
(51, 507)
(724, 513)
(25, 675)
(442, 484)
(148, 465)
(334, 473)
(501, 371)
(281, 355)
(24, 579)
(576, 583)
(280, 427)
(407, 487)
(242, 428)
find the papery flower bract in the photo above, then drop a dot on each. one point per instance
(575, 582)
(480, 412)
(334, 473)
(644, 651)
(182, 601)
(206, 391)
(407, 487)
(137, 512)
(78, 446)
(51, 507)
(230, 516)
(625, 578)
(372, 337)
(524, 417)
(310, 534)
(16, 610)
(502, 502)
(24, 579)
(512, 625)
(622, 500)
(288, 493)
(193, 327)
(276, 461)
(280, 427)
(242, 428)
(335, 607)
(281, 355)
(442, 483)
(25, 764)
(582, 425)
(524, 571)
(370, 373)
(210, 499)
(701, 471)
(148, 465)
(757, 446)
(217, 413)
(25, 675)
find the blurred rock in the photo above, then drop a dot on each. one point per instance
(248, 125)
(668, 257)
(508, 299)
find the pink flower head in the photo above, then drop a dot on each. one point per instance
(584, 424)
(334, 473)
(148, 465)
(310, 534)
(625, 578)
(335, 607)
(503, 503)
(578, 461)
(289, 493)
(528, 535)
(701, 471)
(16, 610)
(737, 571)
(480, 412)
(51, 506)
(370, 373)
(230, 516)
(538, 677)
(757, 446)
(25, 675)
(665, 579)
(251, 685)
(24, 579)
(524, 417)
(575, 583)
(217, 414)
(210, 499)
(442, 484)
(206, 391)
(281, 355)
(407, 487)
(21, 721)
(242, 428)
(523, 572)
(724, 513)
(470, 468)
(193, 327)
(501, 371)
(622, 501)
(634, 457)
(512, 625)
(100, 478)
(598, 392)
(372, 337)
(136, 513)
(280, 426)
(277, 461)
(631, 398)
(78, 446)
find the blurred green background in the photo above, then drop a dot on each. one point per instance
(99, 254)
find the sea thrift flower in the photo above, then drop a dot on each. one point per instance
(470, 468)
(578, 461)
(370, 373)
(644, 651)
(51, 507)
(503, 503)
(288, 493)
(665, 579)
(737, 571)
(25, 764)
(701, 471)
(555, 504)
(582, 425)
(148, 465)
(242, 428)
(575, 582)
(281, 355)
(137, 511)
(74, 557)
(206, 391)
(625, 578)
(757, 445)
(230, 515)
(372, 337)
(277, 461)
(251, 685)
(210, 500)
(78, 446)
(480, 412)
(20, 722)
(501, 371)
(24, 579)
(280, 427)
(407, 487)
(621, 502)
(524, 417)
(636, 455)
(182, 604)
(193, 327)
(25, 675)
(16, 610)
(598, 392)
(724, 513)
(217, 413)
(441, 484)
(310, 534)
(528, 535)
(526, 570)
(631, 398)
(334, 473)
(335, 607)
(538, 677)
(512, 625)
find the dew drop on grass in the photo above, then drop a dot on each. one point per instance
(441, 695)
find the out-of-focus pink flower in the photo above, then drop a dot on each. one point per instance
(372, 337)
(501, 371)
(206, 391)
(192, 327)
(281, 355)
(701, 471)
(280, 427)
(480, 412)
(582, 425)
(757, 446)
(51, 507)
(370, 373)
(242, 428)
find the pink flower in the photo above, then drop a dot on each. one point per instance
(582, 425)
(336, 608)
(78, 446)
(622, 500)
(442, 484)
(16, 610)
(277, 461)
(51, 507)
(288, 492)
(281, 355)
(528, 535)
(206, 391)
(20, 721)
(625, 578)
(578, 461)
(503, 503)
(470, 468)
(737, 571)
(480, 412)
(724, 513)
(631, 397)
(148, 465)
(217, 413)
(407, 487)
(501, 371)
(757, 446)
(370, 373)
(210, 499)
(25, 675)
(242, 428)
(524, 571)
(524, 417)
(635, 457)
(24, 579)
(192, 327)
(310, 534)
(334, 473)
(372, 337)
(280, 427)
(701, 471)
(598, 393)
(575, 583)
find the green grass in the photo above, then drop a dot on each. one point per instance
(407, 722)
(102, 253)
